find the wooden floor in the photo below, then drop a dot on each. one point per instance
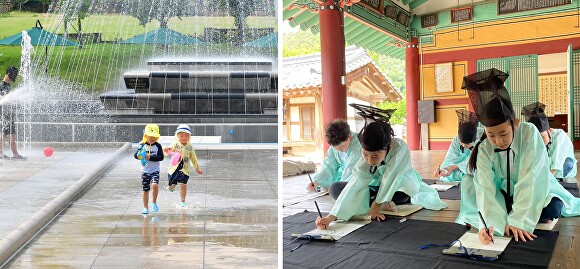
(296, 199)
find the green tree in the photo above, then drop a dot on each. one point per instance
(300, 43)
(395, 71)
(162, 10)
(400, 115)
(240, 10)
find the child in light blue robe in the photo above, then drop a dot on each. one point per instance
(454, 167)
(341, 157)
(560, 149)
(384, 175)
(561, 158)
(456, 161)
(514, 189)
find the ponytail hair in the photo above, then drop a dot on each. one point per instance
(472, 164)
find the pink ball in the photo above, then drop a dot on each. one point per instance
(48, 151)
(175, 159)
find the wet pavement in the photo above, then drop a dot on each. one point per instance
(230, 221)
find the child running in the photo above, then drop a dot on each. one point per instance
(152, 152)
(179, 173)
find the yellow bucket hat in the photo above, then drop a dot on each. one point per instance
(150, 130)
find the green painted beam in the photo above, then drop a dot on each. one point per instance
(391, 50)
(362, 30)
(380, 50)
(371, 39)
(287, 3)
(384, 40)
(381, 22)
(362, 35)
(354, 27)
(314, 20)
(416, 3)
(316, 29)
(290, 13)
(303, 17)
(406, 2)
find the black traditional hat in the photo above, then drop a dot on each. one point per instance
(534, 113)
(467, 129)
(377, 133)
(489, 97)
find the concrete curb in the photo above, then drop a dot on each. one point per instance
(17, 239)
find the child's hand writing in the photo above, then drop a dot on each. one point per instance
(322, 223)
(312, 186)
(484, 237)
(518, 233)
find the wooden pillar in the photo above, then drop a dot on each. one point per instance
(333, 63)
(412, 93)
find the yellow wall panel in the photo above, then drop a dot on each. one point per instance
(513, 31)
(428, 82)
(445, 126)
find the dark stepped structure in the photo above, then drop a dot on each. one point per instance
(235, 100)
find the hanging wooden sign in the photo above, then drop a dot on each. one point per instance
(461, 14)
(511, 6)
(403, 18)
(391, 12)
(373, 5)
(429, 20)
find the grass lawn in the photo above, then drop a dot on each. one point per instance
(113, 26)
(99, 67)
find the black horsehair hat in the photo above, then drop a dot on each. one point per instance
(534, 113)
(489, 97)
(467, 129)
(377, 133)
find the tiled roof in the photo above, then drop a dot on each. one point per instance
(305, 71)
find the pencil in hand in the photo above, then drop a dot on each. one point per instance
(485, 226)
(319, 214)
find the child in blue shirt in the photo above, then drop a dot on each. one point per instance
(150, 171)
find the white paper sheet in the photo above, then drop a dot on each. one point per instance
(338, 229)
(441, 187)
(403, 210)
(471, 240)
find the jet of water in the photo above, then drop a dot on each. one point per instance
(27, 51)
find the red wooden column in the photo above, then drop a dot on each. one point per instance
(333, 69)
(413, 87)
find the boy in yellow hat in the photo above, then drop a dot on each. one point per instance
(150, 171)
(179, 173)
